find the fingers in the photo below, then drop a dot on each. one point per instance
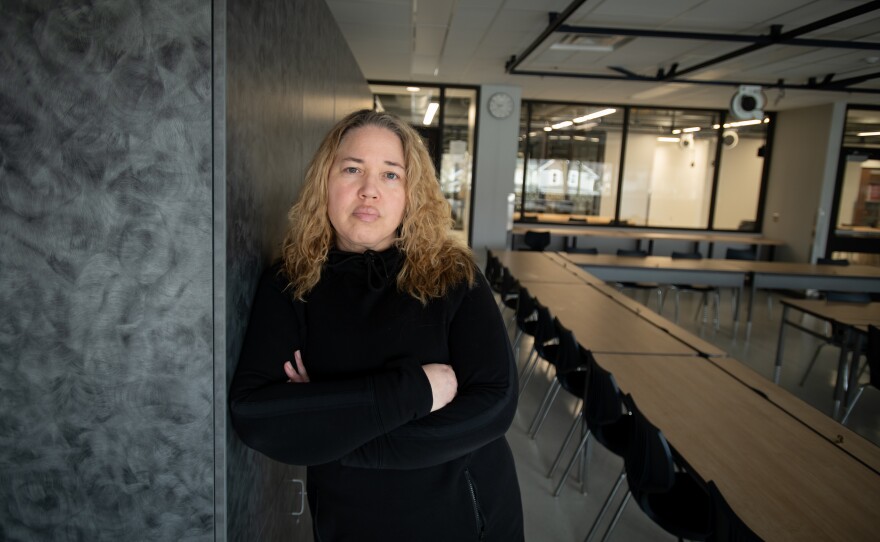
(298, 375)
(300, 368)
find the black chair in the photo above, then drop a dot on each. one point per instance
(585, 250)
(606, 418)
(837, 335)
(640, 286)
(571, 366)
(668, 494)
(537, 240)
(872, 352)
(493, 271)
(703, 290)
(528, 218)
(727, 526)
(509, 291)
(545, 346)
(526, 317)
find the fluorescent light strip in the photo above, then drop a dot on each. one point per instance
(595, 115)
(563, 124)
(867, 134)
(744, 123)
(689, 130)
(429, 114)
(669, 139)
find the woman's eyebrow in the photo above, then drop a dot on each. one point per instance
(361, 161)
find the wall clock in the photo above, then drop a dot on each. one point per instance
(500, 105)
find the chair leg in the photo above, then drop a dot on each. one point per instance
(528, 371)
(849, 409)
(812, 362)
(620, 478)
(577, 421)
(676, 305)
(549, 397)
(568, 468)
(617, 516)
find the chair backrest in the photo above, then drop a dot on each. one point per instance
(727, 526)
(741, 254)
(537, 240)
(632, 253)
(493, 269)
(576, 219)
(831, 261)
(686, 255)
(528, 218)
(588, 250)
(603, 400)
(649, 465)
(873, 354)
(568, 358)
(545, 331)
(525, 306)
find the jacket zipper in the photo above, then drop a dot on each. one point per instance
(477, 515)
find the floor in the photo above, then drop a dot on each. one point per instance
(570, 516)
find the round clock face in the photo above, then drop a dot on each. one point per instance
(500, 105)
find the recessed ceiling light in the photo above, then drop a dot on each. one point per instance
(413, 89)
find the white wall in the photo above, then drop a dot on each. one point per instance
(495, 171)
(739, 183)
(800, 186)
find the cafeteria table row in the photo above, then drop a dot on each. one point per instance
(570, 234)
(852, 320)
(730, 273)
(790, 472)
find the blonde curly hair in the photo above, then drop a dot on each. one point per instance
(434, 261)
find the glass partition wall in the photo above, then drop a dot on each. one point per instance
(639, 166)
(445, 117)
(856, 215)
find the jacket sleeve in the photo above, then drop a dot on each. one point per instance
(481, 412)
(309, 424)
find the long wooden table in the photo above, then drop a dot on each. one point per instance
(600, 324)
(786, 480)
(731, 273)
(852, 317)
(757, 242)
(533, 267)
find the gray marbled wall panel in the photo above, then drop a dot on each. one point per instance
(106, 418)
(289, 75)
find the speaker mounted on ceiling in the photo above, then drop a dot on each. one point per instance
(748, 103)
(730, 138)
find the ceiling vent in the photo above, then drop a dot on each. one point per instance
(590, 42)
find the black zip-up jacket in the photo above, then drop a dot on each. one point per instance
(381, 465)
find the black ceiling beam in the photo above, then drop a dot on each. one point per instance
(768, 86)
(780, 37)
(708, 36)
(555, 21)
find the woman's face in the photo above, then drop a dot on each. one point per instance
(367, 189)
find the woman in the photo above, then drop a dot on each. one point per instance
(376, 354)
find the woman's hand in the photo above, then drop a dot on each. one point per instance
(299, 375)
(444, 385)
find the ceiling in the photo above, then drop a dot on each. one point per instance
(658, 58)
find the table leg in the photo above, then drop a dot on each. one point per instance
(749, 310)
(855, 357)
(739, 297)
(780, 346)
(842, 374)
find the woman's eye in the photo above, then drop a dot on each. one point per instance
(351, 169)
(392, 176)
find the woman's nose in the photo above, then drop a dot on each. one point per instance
(369, 188)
